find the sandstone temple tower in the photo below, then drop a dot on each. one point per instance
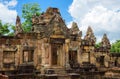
(51, 50)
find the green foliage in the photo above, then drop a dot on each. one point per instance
(28, 10)
(12, 27)
(4, 30)
(98, 45)
(115, 48)
(7, 29)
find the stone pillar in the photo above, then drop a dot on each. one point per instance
(1, 58)
(21, 55)
(17, 56)
(43, 54)
(63, 55)
(35, 57)
(47, 54)
(67, 42)
(50, 55)
(39, 54)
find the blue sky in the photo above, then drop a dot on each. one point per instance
(102, 15)
(44, 4)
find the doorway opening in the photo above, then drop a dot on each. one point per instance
(102, 60)
(56, 54)
(72, 57)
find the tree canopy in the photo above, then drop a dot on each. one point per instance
(28, 10)
(97, 45)
(4, 28)
(115, 48)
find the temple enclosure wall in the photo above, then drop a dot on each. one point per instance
(51, 50)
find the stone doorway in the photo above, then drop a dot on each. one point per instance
(116, 62)
(102, 60)
(56, 54)
(72, 57)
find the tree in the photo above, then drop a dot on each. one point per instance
(28, 10)
(11, 33)
(98, 45)
(7, 29)
(4, 30)
(115, 48)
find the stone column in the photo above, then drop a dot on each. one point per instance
(21, 55)
(43, 54)
(67, 42)
(47, 54)
(17, 56)
(50, 55)
(1, 58)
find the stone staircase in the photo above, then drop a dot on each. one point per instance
(58, 71)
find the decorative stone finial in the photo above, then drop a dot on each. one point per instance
(90, 35)
(18, 28)
(51, 10)
(80, 34)
(105, 42)
(74, 29)
(89, 31)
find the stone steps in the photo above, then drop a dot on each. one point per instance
(56, 71)
(60, 71)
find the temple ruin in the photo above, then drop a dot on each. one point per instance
(51, 50)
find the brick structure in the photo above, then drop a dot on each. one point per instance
(53, 51)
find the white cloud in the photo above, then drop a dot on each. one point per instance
(69, 24)
(102, 15)
(12, 3)
(8, 14)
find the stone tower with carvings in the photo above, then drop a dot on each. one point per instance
(52, 50)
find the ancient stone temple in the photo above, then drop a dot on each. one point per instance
(51, 50)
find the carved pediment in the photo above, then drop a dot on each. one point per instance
(49, 23)
(58, 27)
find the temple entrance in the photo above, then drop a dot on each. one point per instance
(56, 54)
(102, 60)
(116, 62)
(57, 51)
(72, 57)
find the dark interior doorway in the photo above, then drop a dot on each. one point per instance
(102, 60)
(116, 62)
(72, 57)
(54, 55)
